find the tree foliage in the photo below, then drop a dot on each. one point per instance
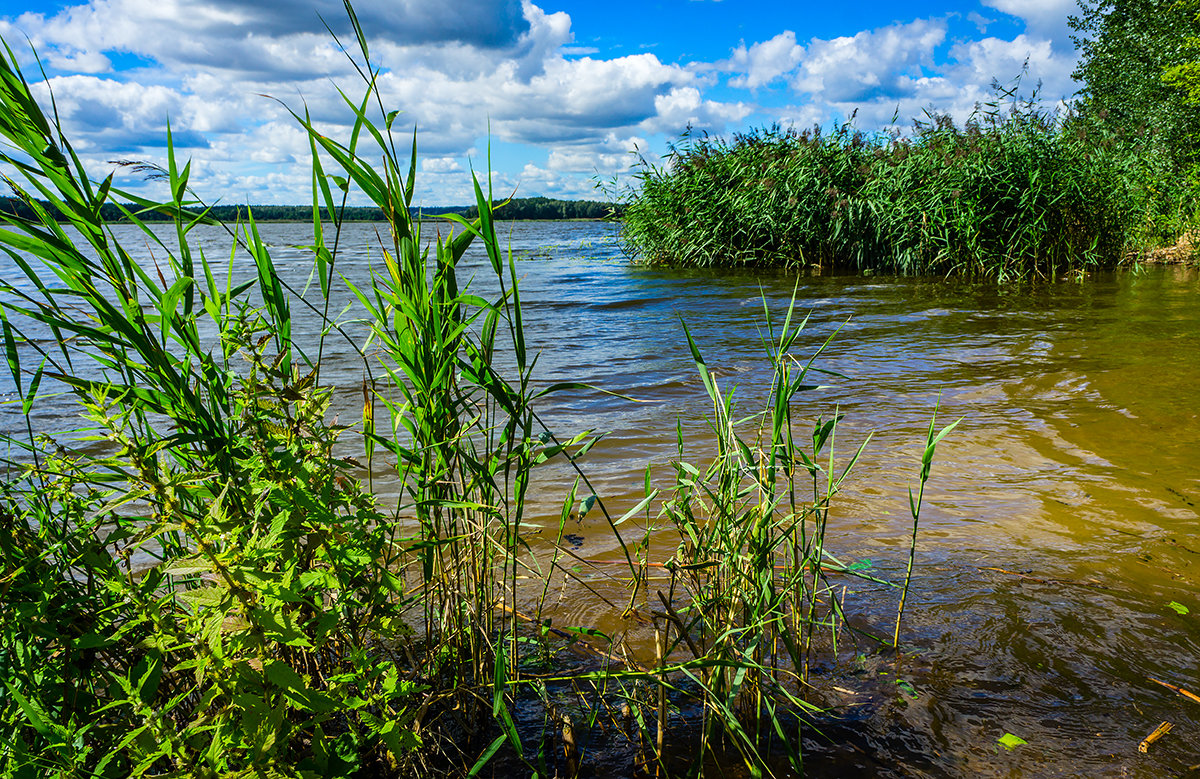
(1139, 70)
(1186, 75)
(548, 208)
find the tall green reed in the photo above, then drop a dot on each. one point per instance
(215, 592)
(1019, 191)
(754, 592)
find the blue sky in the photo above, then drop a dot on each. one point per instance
(564, 90)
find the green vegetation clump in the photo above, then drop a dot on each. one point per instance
(1139, 70)
(1010, 194)
(1139, 75)
(199, 580)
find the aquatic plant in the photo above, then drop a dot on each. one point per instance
(1018, 191)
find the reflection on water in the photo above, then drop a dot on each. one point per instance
(1059, 524)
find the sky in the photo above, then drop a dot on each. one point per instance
(563, 92)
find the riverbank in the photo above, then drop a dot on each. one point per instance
(1185, 251)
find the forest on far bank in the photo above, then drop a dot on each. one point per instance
(539, 208)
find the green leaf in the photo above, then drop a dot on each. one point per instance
(1009, 741)
(589, 632)
(31, 712)
(486, 755)
(638, 508)
(1179, 607)
(281, 626)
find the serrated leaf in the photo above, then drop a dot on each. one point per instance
(203, 597)
(281, 626)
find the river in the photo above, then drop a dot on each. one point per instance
(1058, 539)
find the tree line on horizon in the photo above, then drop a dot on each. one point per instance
(531, 208)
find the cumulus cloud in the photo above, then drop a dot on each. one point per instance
(989, 59)
(458, 72)
(609, 156)
(903, 69)
(1046, 19)
(119, 117)
(279, 37)
(441, 165)
(883, 63)
(764, 62)
(683, 107)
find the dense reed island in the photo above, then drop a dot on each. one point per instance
(539, 208)
(1019, 190)
(200, 578)
(1009, 196)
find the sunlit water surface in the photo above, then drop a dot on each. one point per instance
(1060, 521)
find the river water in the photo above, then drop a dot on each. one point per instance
(1060, 519)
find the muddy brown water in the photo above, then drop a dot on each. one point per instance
(1058, 543)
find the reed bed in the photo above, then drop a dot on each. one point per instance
(1019, 191)
(199, 581)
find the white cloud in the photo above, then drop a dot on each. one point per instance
(1045, 19)
(980, 21)
(119, 117)
(903, 69)
(501, 66)
(610, 156)
(876, 64)
(272, 37)
(764, 62)
(439, 165)
(1001, 60)
(80, 61)
(683, 107)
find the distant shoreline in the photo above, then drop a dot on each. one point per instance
(539, 209)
